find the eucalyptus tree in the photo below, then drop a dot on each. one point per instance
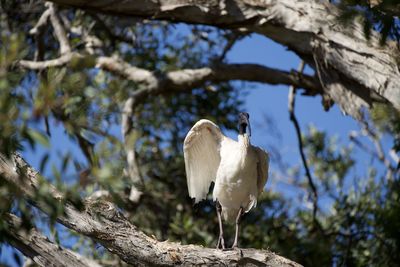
(123, 81)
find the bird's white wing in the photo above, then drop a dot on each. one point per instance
(202, 157)
(262, 168)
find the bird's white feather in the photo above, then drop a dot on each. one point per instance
(202, 158)
(262, 168)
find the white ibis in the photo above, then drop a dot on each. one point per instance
(238, 169)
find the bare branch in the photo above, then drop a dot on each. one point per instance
(41, 24)
(38, 31)
(188, 79)
(361, 67)
(40, 249)
(231, 41)
(59, 30)
(291, 105)
(51, 63)
(367, 131)
(130, 136)
(102, 222)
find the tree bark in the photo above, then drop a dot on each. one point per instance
(353, 71)
(102, 222)
(187, 79)
(40, 249)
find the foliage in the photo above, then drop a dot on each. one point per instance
(387, 119)
(379, 15)
(357, 222)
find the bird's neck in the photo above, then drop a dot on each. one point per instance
(244, 142)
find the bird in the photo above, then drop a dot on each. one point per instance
(238, 169)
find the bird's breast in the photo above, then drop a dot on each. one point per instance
(237, 167)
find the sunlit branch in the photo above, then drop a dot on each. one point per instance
(130, 135)
(46, 64)
(188, 79)
(102, 222)
(39, 248)
(59, 30)
(341, 50)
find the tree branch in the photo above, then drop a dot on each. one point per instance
(391, 170)
(360, 67)
(102, 222)
(38, 31)
(187, 79)
(130, 135)
(291, 105)
(40, 249)
(51, 63)
(41, 24)
(59, 30)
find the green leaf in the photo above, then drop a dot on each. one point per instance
(39, 137)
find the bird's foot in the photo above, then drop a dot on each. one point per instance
(221, 243)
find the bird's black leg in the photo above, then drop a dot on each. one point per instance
(221, 241)
(239, 216)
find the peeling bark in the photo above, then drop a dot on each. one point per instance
(354, 72)
(103, 223)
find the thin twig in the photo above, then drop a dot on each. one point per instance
(391, 170)
(231, 41)
(291, 105)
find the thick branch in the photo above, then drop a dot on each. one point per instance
(188, 79)
(102, 222)
(40, 249)
(355, 71)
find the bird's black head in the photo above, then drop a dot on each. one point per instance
(244, 122)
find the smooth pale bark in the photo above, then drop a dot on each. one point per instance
(353, 71)
(187, 79)
(102, 222)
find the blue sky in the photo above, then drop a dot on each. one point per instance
(261, 99)
(272, 100)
